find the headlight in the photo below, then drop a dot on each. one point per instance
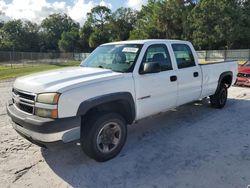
(46, 113)
(48, 98)
(44, 109)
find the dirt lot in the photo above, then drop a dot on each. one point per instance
(193, 146)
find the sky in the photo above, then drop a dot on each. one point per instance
(37, 10)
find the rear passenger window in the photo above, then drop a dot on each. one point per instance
(158, 53)
(183, 55)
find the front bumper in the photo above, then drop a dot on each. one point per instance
(243, 82)
(43, 131)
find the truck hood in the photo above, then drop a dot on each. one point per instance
(244, 69)
(63, 79)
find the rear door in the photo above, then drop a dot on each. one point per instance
(188, 74)
(155, 92)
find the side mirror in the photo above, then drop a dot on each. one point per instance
(150, 67)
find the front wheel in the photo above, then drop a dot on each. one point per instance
(103, 136)
(219, 99)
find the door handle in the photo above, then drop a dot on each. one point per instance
(196, 74)
(173, 78)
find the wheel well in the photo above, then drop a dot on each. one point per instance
(121, 107)
(227, 80)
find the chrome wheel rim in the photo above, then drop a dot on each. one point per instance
(109, 137)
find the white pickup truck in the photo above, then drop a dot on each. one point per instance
(118, 84)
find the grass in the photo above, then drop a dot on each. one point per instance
(8, 72)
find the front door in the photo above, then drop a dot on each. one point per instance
(156, 92)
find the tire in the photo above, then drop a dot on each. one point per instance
(219, 99)
(103, 136)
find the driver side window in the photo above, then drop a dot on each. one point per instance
(158, 53)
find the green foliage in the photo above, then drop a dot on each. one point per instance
(102, 26)
(147, 25)
(121, 23)
(217, 24)
(162, 19)
(174, 15)
(69, 41)
(12, 36)
(85, 33)
(98, 17)
(1, 24)
(244, 39)
(97, 21)
(209, 24)
(31, 36)
(98, 37)
(53, 27)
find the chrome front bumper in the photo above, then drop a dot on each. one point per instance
(44, 129)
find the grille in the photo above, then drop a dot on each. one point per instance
(23, 100)
(245, 75)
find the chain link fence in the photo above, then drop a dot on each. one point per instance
(26, 56)
(15, 59)
(224, 55)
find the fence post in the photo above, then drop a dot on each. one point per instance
(31, 59)
(225, 55)
(22, 59)
(10, 59)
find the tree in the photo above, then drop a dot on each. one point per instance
(173, 16)
(31, 36)
(147, 25)
(85, 34)
(1, 24)
(69, 41)
(216, 24)
(244, 39)
(99, 16)
(53, 27)
(12, 36)
(98, 37)
(122, 21)
(209, 24)
(96, 26)
(163, 19)
(19, 36)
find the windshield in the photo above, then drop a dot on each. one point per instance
(118, 58)
(247, 64)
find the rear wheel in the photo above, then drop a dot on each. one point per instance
(219, 99)
(103, 136)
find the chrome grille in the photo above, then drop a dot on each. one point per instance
(25, 101)
(245, 75)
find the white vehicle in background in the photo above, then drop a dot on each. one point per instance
(118, 84)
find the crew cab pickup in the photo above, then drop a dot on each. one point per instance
(117, 85)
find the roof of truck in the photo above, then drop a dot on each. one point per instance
(143, 41)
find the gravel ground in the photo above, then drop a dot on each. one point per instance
(192, 146)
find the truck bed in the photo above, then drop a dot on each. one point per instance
(214, 62)
(211, 74)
